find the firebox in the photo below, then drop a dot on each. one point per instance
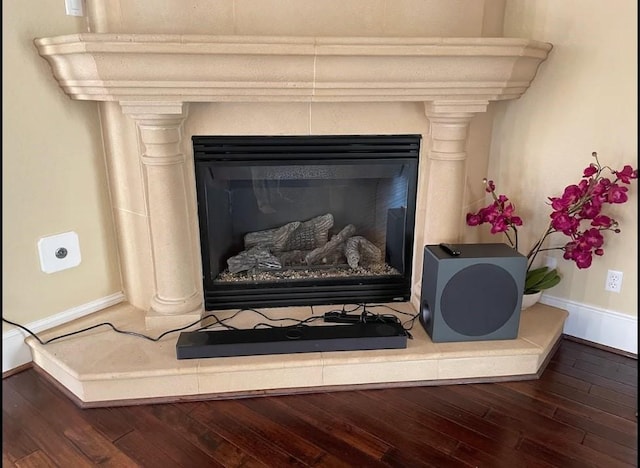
(306, 220)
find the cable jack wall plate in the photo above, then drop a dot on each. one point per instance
(59, 252)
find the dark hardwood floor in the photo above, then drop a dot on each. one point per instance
(582, 412)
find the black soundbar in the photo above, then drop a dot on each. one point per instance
(284, 340)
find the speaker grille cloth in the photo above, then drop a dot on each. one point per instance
(479, 299)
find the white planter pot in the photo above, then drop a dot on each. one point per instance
(530, 299)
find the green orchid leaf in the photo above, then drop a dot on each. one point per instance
(540, 279)
(551, 274)
(536, 270)
(535, 276)
(548, 282)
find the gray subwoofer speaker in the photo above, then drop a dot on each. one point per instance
(472, 294)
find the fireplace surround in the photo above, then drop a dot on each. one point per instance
(158, 90)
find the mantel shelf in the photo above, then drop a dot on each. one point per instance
(197, 68)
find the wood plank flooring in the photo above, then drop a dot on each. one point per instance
(582, 412)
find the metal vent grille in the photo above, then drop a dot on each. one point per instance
(279, 148)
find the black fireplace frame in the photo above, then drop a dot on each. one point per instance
(210, 150)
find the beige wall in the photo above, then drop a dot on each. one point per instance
(584, 99)
(53, 177)
(431, 18)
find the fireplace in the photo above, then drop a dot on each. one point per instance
(163, 73)
(439, 88)
(306, 220)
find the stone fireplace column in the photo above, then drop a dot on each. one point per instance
(446, 172)
(445, 175)
(177, 299)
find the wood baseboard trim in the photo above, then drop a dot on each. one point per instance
(17, 370)
(609, 349)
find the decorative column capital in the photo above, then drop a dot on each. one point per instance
(160, 125)
(449, 124)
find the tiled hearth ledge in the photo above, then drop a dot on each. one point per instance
(105, 368)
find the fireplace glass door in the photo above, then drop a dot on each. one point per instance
(306, 220)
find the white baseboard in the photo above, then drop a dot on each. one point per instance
(605, 327)
(15, 351)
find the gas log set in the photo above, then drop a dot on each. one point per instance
(300, 245)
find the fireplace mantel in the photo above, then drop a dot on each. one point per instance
(196, 68)
(153, 78)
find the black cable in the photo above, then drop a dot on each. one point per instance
(411, 320)
(283, 319)
(366, 316)
(408, 324)
(113, 327)
(217, 321)
(369, 316)
(299, 322)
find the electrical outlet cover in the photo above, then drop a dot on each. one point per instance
(74, 7)
(49, 246)
(614, 281)
(550, 262)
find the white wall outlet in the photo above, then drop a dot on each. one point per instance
(550, 262)
(74, 7)
(614, 281)
(59, 252)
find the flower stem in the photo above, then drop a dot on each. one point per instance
(537, 247)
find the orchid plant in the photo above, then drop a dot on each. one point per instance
(577, 214)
